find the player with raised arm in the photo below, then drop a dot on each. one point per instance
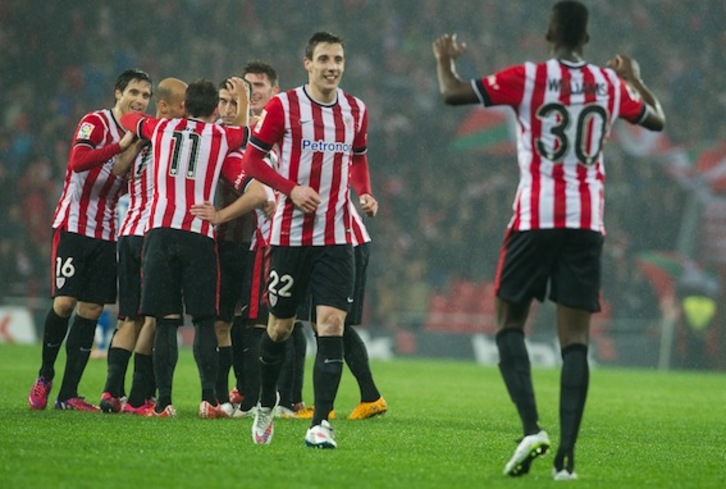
(565, 107)
(234, 238)
(322, 135)
(180, 261)
(252, 319)
(83, 271)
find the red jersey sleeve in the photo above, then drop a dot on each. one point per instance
(140, 124)
(632, 108)
(90, 133)
(237, 137)
(360, 143)
(232, 171)
(271, 126)
(268, 131)
(505, 87)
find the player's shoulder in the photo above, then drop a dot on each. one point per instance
(350, 99)
(103, 116)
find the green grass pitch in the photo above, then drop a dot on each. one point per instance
(450, 424)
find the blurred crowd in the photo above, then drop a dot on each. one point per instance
(443, 212)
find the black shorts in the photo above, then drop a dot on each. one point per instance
(83, 268)
(129, 276)
(254, 285)
(231, 276)
(328, 272)
(566, 259)
(306, 311)
(180, 274)
(362, 254)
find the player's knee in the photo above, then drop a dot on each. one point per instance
(331, 322)
(89, 310)
(63, 306)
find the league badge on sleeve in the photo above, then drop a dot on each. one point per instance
(85, 131)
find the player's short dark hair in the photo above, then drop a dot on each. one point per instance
(202, 98)
(318, 38)
(569, 23)
(262, 68)
(131, 74)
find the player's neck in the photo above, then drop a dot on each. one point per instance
(325, 98)
(117, 113)
(565, 53)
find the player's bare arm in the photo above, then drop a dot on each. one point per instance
(452, 88)
(239, 89)
(305, 198)
(629, 70)
(253, 197)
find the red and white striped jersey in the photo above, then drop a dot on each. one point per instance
(189, 156)
(317, 143)
(141, 190)
(87, 205)
(565, 111)
(358, 229)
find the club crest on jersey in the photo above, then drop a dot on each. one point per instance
(321, 146)
(85, 131)
(60, 282)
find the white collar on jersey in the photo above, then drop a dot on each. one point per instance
(572, 64)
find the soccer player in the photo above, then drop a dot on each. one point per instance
(252, 320)
(322, 136)
(83, 271)
(371, 402)
(234, 240)
(565, 108)
(180, 262)
(135, 333)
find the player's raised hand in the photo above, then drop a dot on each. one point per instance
(626, 67)
(305, 198)
(448, 47)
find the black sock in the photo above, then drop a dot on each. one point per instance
(287, 374)
(301, 345)
(356, 356)
(225, 362)
(207, 357)
(327, 371)
(78, 350)
(238, 345)
(166, 355)
(55, 331)
(251, 358)
(574, 381)
(118, 362)
(517, 374)
(271, 356)
(143, 376)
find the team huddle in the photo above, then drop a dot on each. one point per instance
(287, 242)
(282, 247)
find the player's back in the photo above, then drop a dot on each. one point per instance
(188, 158)
(565, 111)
